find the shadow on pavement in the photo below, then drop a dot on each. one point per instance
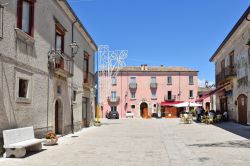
(238, 129)
(232, 144)
(29, 154)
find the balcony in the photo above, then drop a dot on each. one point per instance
(133, 85)
(64, 66)
(114, 99)
(169, 98)
(153, 85)
(227, 74)
(89, 80)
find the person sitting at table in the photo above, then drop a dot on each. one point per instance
(198, 114)
(225, 116)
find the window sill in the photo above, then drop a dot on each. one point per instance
(133, 99)
(74, 102)
(153, 98)
(169, 84)
(24, 36)
(23, 100)
(191, 84)
(191, 97)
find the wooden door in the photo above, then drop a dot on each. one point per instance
(145, 112)
(242, 109)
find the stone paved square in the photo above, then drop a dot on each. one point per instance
(147, 142)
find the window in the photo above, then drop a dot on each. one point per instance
(113, 80)
(222, 68)
(132, 106)
(169, 80)
(153, 79)
(231, 59)
(153, 94)
(191, 80)
(23, 88)
(1, 21)
(113, 95)
(132, 95)
(25, 16)
(58, 89)
(74, 95)
(191, 94)
(154, 105)
(169, 95)
(132, 79)
(59, 40)
(86, 67)
(113, 108)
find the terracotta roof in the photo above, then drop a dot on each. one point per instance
(158, 69)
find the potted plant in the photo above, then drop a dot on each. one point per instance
(51, 138)
(97, 122)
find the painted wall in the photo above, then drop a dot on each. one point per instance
(20, 58)
(180, 83)
(239, 83)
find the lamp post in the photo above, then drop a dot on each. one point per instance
(74, 49)
(206, 84)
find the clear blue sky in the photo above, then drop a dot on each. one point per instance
(169, 32)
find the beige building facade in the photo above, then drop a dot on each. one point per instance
(42, 74)
(232, 65)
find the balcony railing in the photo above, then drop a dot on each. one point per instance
(169, 98)
(225, 75)
(113, 99)
(64, 66)
(133, 85)
(153, 85)
(90, 80)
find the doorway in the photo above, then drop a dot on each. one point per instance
(144, 110)
(242, 109)
(85, 112)
(58, 117)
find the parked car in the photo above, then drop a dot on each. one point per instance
(129, 114)
(113, 115)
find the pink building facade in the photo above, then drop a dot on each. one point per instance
(143, 88)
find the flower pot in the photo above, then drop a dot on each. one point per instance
(97, 124)
(50, 142)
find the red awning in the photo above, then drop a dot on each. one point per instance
(170, 103)
(211, 93)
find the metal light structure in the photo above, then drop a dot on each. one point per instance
(74, 50)
(109, 65)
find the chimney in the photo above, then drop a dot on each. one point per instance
(161, 65)
(142, 67)
(145, 67)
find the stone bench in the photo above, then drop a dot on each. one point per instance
(17, 141)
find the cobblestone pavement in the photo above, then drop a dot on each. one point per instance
(141, 142)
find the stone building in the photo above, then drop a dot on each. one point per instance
(232, 60)
(143, 89)
(42, 72)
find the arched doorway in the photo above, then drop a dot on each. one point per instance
(144, 110)
(58, 117)
(242, 109)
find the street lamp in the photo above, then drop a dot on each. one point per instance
(74, 49)
(206, 84)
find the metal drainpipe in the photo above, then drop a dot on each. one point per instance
(72, 54)
(48, 94)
